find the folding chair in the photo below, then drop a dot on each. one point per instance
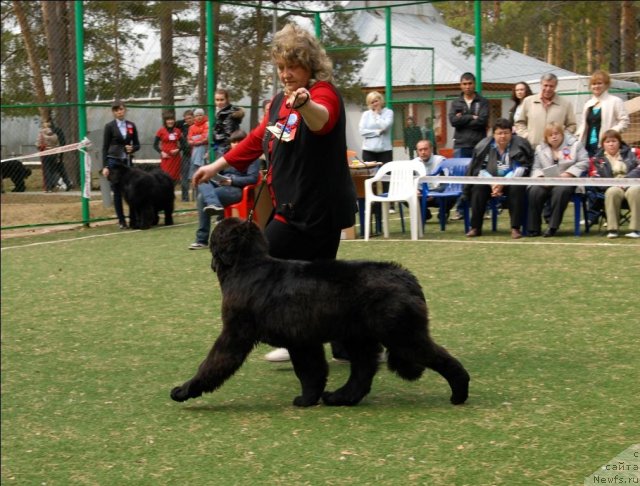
(403, 186)
(452, 167)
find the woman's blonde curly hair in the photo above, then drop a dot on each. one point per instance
(296, 46)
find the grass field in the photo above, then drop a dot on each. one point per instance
(98, 325)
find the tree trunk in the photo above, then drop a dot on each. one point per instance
(575, 58)
(550, 47)
(558, 44)
(38, 82)
(629, 29)
(525, 45)
(599, 48)
(256, 78)
(589, 49)
(167, 93)
(202, 39)
(117, 89)
(614, 36)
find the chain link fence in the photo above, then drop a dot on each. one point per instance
(154, 57)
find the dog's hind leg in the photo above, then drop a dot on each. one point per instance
(311, 368)
(438, 359)
(363, 356)
(225, 357)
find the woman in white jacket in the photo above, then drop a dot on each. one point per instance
(601, 113)
(375, 128)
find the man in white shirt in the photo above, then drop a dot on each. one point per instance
(431, 163)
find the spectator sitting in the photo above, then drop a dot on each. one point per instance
(616, 159)
(500, 155)
(431, 163)
(215, 195)
(569, 155)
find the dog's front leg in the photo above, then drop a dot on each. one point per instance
(225, 357)
(311, 368)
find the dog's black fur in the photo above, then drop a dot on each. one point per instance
(146, 193)
(301, 305)
(17, 172)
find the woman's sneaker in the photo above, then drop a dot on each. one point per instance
(633, 234)
(197, 246)
(612, 234)
(213, 210)
(277, 355)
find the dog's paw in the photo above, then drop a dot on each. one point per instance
(183, 393)
(459, 396)
(301, 401)
(337, 399)
(460, 391)
(179, 394)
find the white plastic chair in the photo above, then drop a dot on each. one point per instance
(403, 186)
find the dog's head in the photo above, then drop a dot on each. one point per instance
(233, 241)
(117, 174)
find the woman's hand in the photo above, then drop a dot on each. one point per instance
(300, 97)
(206, 172)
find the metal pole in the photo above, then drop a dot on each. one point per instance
(318, 25)
(477, 7)
(387, 51)
(211, 108)
(82, 110)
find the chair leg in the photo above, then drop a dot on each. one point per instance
(423, 207)
(442, 212)
(576, 211)
(493, 206)
(385, 219)
(465, 214)
(414, 213)
(367, 220)
(584, 211)
(399, 204)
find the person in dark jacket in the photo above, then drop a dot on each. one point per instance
(469, 116)
(228, 118)
(119, 144)
(303, 136)
(499, 155)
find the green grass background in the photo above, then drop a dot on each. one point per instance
(98, 326)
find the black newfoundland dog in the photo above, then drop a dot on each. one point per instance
(146, 193)
(301, 305)
(17, 172)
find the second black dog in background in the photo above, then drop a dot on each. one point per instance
(146, 192)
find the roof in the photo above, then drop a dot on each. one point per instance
(413, 67)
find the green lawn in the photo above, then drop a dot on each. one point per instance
(98, 325)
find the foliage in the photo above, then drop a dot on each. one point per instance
(575, 35)
(245, 40)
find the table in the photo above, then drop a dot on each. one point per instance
(359, 173)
